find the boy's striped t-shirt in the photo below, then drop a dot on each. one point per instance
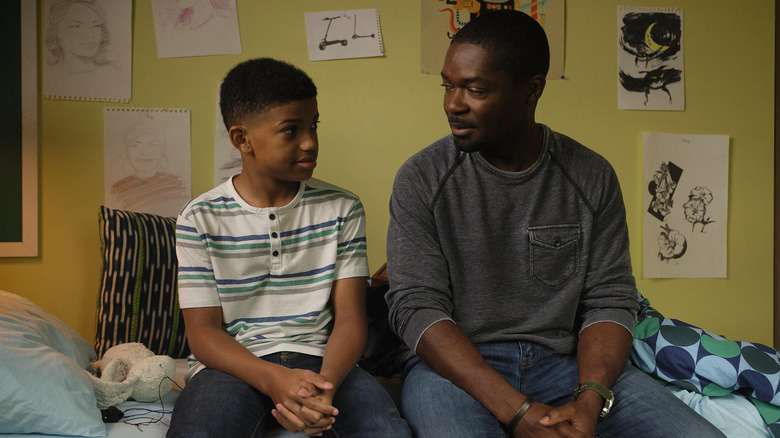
(270, 269)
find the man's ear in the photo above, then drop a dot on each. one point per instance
(536, 88)
(238, 137)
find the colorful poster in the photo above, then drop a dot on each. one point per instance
(196, 28)
(147, 159)
(686, 205)
(343, 34)
(87, 50)
(441, 19)
(650, 59)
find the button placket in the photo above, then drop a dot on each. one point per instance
(276, 241)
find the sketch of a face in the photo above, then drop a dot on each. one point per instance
(77, 36)
(145, 148)
(81, 32)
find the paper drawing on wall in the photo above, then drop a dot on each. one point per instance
(650, 59)
(692, 238)
(325, 41)
(655, 80)
(146, 162)
(196, 27)
(651, 37)
(87, 50)
(671, 244)
(662, 188)
(696, 207)
(343, 34)
(227, 159)
(441, 19)
(354, 30)
(147, 159)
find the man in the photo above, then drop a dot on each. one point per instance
(509, 264)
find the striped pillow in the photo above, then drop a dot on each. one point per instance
(138, 294)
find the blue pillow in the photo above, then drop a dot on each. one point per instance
(45, 388)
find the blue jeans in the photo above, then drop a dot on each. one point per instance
(215, 404)
(435, 407)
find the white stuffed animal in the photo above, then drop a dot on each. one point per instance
(131, 371)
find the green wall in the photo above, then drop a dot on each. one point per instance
(376, 112)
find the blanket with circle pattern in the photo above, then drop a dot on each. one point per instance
(698, 360)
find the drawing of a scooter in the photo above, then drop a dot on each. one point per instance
(354, 32)
(325, 43)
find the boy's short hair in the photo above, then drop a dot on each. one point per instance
(256, 85)
(515, 41)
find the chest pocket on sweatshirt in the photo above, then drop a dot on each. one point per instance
(555, 253)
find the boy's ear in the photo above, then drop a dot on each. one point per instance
(238, 136)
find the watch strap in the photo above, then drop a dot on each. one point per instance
(603, 391)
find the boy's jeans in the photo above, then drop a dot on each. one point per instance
(215, 404)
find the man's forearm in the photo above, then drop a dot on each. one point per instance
(450, 353)
(602, 353)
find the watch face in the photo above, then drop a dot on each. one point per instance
(604, 392)
(608, 405)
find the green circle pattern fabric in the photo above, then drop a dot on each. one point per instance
(695, 359)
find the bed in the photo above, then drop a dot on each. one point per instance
(45, 389)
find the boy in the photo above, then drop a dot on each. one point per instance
(272, 279)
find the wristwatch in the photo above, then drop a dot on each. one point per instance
(603, 391)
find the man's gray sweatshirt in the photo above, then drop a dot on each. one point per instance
(535, 256)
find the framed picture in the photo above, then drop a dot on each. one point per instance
(19, 222)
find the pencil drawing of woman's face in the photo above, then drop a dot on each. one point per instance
(144, 153)
(81, 32)
(77, 36)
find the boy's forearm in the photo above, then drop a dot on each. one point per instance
(218, 350)
(348, 338)
(344, 349)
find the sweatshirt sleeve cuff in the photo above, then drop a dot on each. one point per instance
(419, 323)
(621, 317)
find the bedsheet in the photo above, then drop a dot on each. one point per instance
(733, 414)
(145, 420)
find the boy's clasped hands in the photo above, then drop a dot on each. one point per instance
(303, 401)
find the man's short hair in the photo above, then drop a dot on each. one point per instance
(515, 41)
(253, 86)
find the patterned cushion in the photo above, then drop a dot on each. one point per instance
(695, 359)
(138, 294)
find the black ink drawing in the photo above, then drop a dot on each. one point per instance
(77, 38)
(662, 188)
(671, 244)
(696, 207)
(651, 38)
(145, 160)
(325, 42)
(354, 31)
(657, 79)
